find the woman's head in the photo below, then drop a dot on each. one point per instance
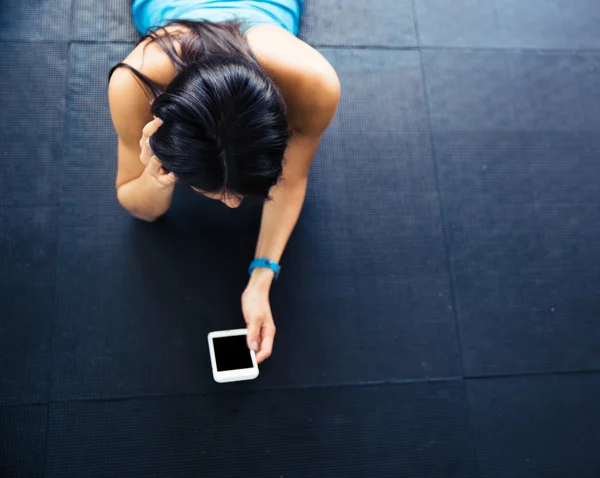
(224, 129)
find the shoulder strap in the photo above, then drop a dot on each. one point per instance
(143, 78)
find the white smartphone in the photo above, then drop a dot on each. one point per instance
(230, 357)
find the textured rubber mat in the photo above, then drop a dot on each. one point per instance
(35, 21)
(544, 426)
(31, 139)
(23, 438)
(25, 262)
(109, 20)
(518, 177)
(328, 432)
(31, 130)
(469, 90)
(509, 23)
(556, 92)
(26, 340)
(388, 23)
(27, 277)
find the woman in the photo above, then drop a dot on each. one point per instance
(220, 92)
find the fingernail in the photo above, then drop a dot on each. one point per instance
(254, 346)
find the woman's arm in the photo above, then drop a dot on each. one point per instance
(281, 213)
(149, 196)
(143, 188)
(317, 94)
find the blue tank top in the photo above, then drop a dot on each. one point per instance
(285, 13)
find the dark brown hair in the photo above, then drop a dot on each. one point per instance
(224, 119)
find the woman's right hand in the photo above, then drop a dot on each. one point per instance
(154, 169)
(158, 174)
(148, 131)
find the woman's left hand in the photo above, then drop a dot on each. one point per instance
(259, 320)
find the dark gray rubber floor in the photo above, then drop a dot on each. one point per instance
(521, 427)
(508, 23)
(437, 313)
(321, 432)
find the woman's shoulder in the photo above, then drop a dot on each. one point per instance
(303, 75)
(308, 82)
(275, 47)
(129, 96)
(152, 61)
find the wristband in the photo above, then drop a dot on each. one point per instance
(266, 263)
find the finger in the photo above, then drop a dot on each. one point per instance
(154, 165)
(167, 179)
(254, 335)
(147, 130)
(266, 345)
(151, 127)
(145, 149)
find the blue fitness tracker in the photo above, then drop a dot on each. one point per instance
(267, 263)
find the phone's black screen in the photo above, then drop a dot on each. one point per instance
(232, 353)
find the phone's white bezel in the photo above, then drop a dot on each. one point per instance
(231, 375)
